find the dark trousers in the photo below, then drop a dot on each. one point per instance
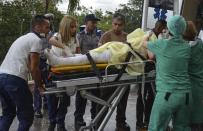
(15, 93)
(38, 100)
(37, 96)
(80, 105)
(121, 108)
(57, 108)
(197, 127)
(143, 110)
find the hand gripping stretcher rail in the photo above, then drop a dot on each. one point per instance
(97, 76)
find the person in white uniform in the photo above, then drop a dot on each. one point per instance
(22, 58)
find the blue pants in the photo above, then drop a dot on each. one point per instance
(38, 100)
(37, 96)
(15, 93)
(57, 108)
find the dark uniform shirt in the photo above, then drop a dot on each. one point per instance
(87, 41)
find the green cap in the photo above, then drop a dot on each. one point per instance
(176, 25)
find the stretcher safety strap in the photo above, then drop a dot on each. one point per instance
(135, 51)
(94, 66)
(122, 70)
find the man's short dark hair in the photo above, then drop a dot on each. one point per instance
(38, 20)
(119, 17)
(160, 23)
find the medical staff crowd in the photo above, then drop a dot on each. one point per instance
(176, 96)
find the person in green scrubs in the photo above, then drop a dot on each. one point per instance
(196, 76)
(173, 98)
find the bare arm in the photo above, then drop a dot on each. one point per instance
(151, 56)
(53, 41)
(144, 44)
(78, 50)
(35, 72)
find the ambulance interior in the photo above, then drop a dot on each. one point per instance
(186, 8)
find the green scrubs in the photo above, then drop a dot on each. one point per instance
(196, 75)
(173, 96)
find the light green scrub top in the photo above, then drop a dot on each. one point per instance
(172, 58)
(196, 75)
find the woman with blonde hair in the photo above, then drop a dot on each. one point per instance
(64, 44)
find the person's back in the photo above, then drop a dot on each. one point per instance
(173, 97)
(16, 61)
(196, 75)
(172, 59)
(196, 64)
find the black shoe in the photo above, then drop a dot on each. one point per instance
(51, 127)
(122, 127)
(38, 114)
(79, 124)
(141, 127)
(61, 128)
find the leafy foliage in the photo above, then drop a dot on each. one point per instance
(73, 4)
(15, 19)
(133, 14)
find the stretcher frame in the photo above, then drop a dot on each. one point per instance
(88, 83)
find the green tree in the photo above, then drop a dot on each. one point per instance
(132, 11)
(72, 6)
(133, 14)
(15, 19)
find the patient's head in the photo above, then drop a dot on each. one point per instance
(190, 32)
(67, 28)
(160, 25)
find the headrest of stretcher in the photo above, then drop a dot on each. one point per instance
(76, 68)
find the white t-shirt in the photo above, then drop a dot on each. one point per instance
(16, 61)
(70, 47)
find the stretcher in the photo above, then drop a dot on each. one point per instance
(83, 78)
(71, 79)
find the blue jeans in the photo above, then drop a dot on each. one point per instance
(15, 93)
(37, 100)
(37, 96)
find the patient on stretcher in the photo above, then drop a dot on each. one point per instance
(111, 53)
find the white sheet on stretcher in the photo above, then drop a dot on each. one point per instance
(111, 52)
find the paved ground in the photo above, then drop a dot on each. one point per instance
(42, 124)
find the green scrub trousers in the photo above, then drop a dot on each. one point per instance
(171, 106)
